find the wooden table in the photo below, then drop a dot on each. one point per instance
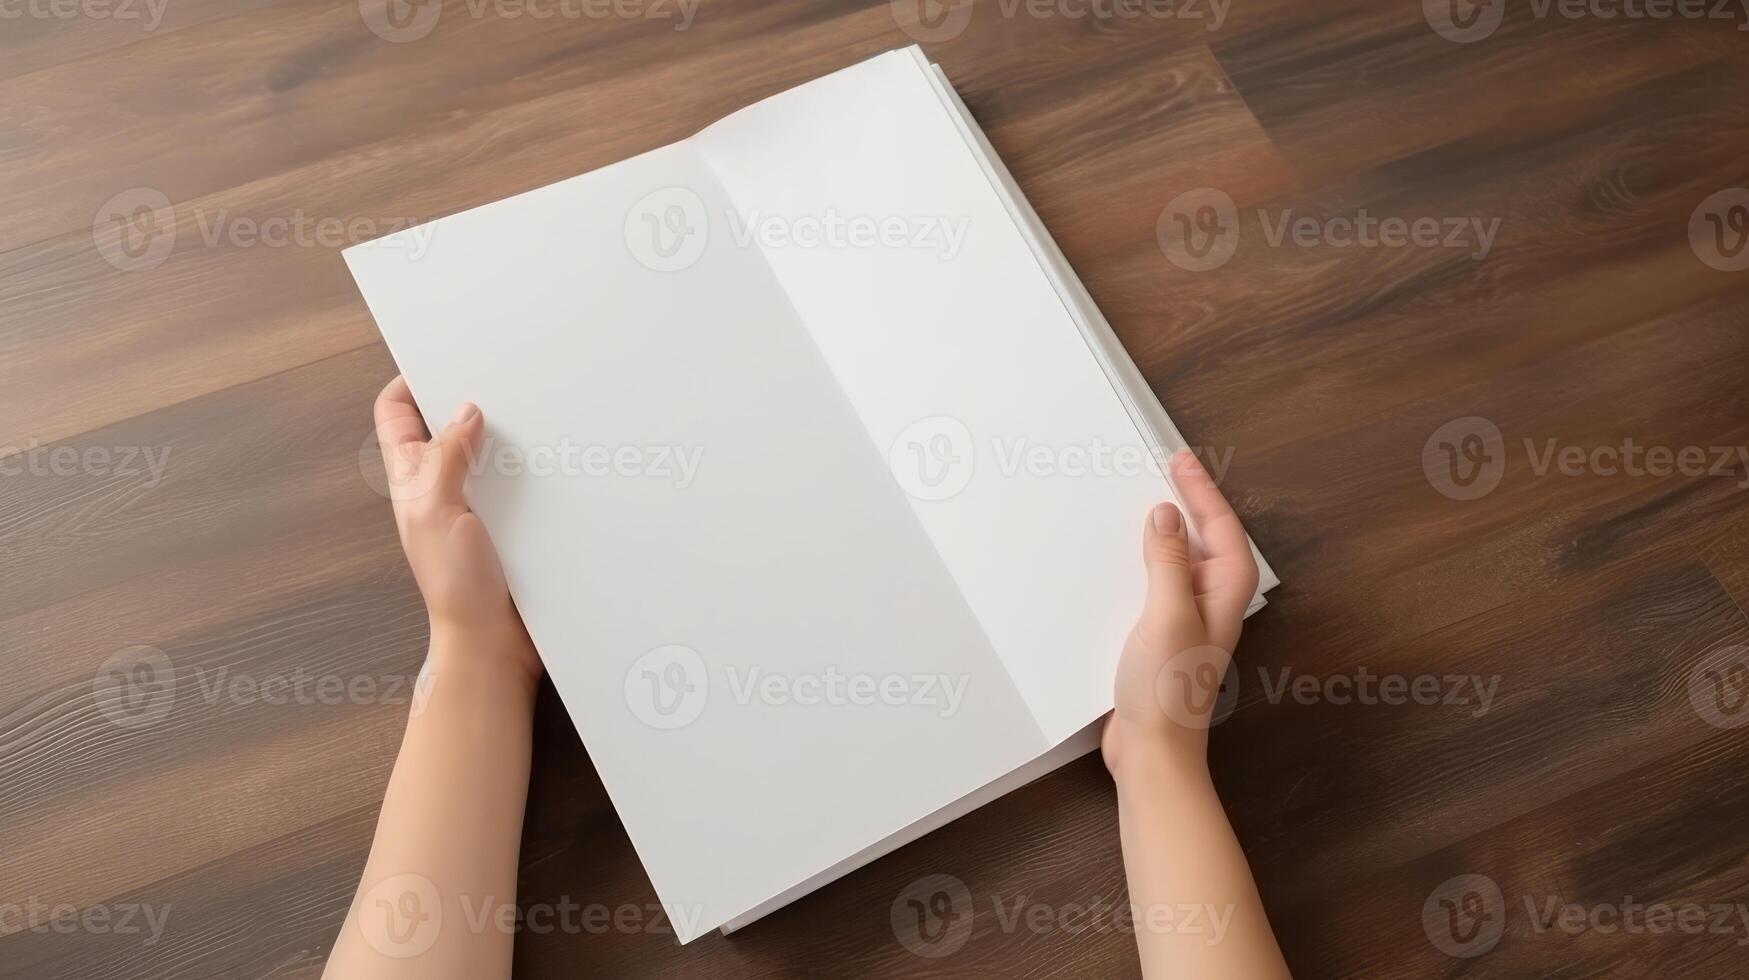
(1428, 435)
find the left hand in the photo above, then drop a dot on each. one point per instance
(451, 554)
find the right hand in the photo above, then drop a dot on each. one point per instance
(1178, 651)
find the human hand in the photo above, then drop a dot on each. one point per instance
(451, 554)
(1175, 657)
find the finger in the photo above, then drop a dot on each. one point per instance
(1222, 534)
(400, 430)
(1226, 578)
(455, 450)
(1170, 615)
(1224, 589)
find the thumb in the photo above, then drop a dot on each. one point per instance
(456, 446)
(1170, 616)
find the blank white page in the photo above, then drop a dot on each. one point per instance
(1048, 553)
(1144, 409)
(789, 551)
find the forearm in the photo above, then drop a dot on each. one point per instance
(450, 827)
(1196, 909)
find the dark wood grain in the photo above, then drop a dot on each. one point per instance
(1593, 604)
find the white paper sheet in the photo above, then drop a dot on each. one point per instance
(699, 476)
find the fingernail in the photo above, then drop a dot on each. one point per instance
(1167, 520)
(464, 412)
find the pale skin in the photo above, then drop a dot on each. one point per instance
(1178, 848)
(437, 897)
(451, 824)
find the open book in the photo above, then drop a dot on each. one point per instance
(817, 477)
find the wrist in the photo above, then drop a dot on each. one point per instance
(1152, 760)
(493, 657)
